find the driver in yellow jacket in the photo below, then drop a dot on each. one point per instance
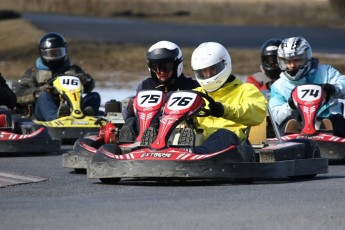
(237, 105)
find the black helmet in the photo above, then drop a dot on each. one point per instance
(164, 52)
(53, 50)
(269, 60)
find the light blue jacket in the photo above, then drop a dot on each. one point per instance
(282, 88)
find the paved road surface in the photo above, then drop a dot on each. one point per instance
(71, 201)
(122, 30)
(65, 200)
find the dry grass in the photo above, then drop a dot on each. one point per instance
(288, 12)
(123, 63)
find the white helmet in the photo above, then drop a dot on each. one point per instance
(294, 48)
(211, 64)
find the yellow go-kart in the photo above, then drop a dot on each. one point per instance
(77, 124)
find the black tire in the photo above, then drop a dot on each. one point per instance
(247, 153)
(243, 180)
(87, 141)
(303, 177)
(110, 180)
(80, 171)
(112, 148)
(312, 149)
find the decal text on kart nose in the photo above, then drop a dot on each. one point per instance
(156, 155)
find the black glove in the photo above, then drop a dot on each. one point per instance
(85, 78)
(216, 109)
(291, 103)
(329, 89)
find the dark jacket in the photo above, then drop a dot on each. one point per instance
(7, 97)
(29, 87)
(181, 83)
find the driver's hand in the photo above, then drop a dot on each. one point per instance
(291, 103)
(85, 78)
(329, 89)
(216, 109)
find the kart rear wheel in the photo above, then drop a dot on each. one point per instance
(109, 180)
(243, 180)
(312, 149)
(303, 177)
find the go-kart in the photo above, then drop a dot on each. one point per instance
(77, 124)
(308, 100)
(18, 135)
(147, 106)
(159, 158)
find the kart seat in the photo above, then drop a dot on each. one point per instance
(3, 121)
(257, 134)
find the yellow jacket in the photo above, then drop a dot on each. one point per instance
(244, 106)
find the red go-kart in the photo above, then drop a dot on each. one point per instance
(147, 110)
(168, 154)
(309, 99)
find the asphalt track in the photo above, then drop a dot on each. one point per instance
(123, 30)
(65, 200)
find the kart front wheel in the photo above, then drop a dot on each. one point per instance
(312, 149)
(80, 171)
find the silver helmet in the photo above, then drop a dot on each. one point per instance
(294, 49)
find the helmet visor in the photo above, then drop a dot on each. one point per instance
(270, 62)
(210, 71)
(161, 67)
(53, 53)
(292, 63)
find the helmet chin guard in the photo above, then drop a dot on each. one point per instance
(296, 74)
